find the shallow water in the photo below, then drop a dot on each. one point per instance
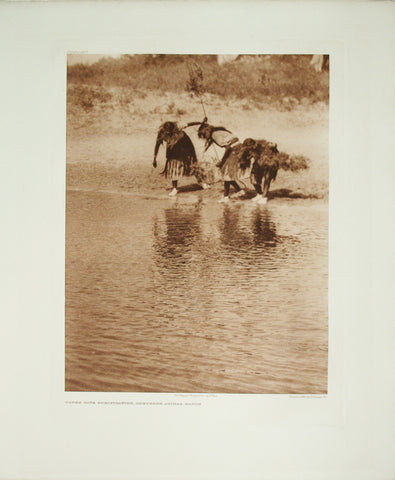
(188, 295)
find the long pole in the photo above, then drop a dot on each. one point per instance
(201, 101)
(198, 92)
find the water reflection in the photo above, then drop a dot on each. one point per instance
(233, 234)
(244, 229)
(175, 235)
(263, 229)
(195, 296)
(193, 235)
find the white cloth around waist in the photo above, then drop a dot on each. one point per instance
(223, 138)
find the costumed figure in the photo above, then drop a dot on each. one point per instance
(235, 166)
(264, 169)
(181, 158)
(267, 161)
(220, 136)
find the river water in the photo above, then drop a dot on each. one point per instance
(188, 295)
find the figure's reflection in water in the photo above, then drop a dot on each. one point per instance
(263, 229)
(233, 236)
(246, 231)
(183, 253)
(174, 237)
(183, 264)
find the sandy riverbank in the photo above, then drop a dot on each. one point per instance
(110, 147)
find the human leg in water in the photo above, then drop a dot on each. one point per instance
(259, 197)
(239, 191)
(266, 186)
(173, 193)
(225, 198)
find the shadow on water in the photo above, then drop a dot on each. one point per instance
(287, 193)
(192, 187)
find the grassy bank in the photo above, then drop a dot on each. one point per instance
(261, 80)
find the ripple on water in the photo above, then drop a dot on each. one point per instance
(195, 297)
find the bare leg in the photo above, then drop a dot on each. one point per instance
(266, 186)
(261, 197)
(225, 198)
(239, 191)
(258, 189)
(235, 185)
(173, 193)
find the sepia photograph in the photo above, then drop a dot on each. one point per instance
(197, 234)
(197, 194)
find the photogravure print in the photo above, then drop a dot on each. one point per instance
(197, 223)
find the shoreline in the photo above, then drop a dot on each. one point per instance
(112, 147)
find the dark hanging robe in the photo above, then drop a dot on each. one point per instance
(179, 147)
(266, 162)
